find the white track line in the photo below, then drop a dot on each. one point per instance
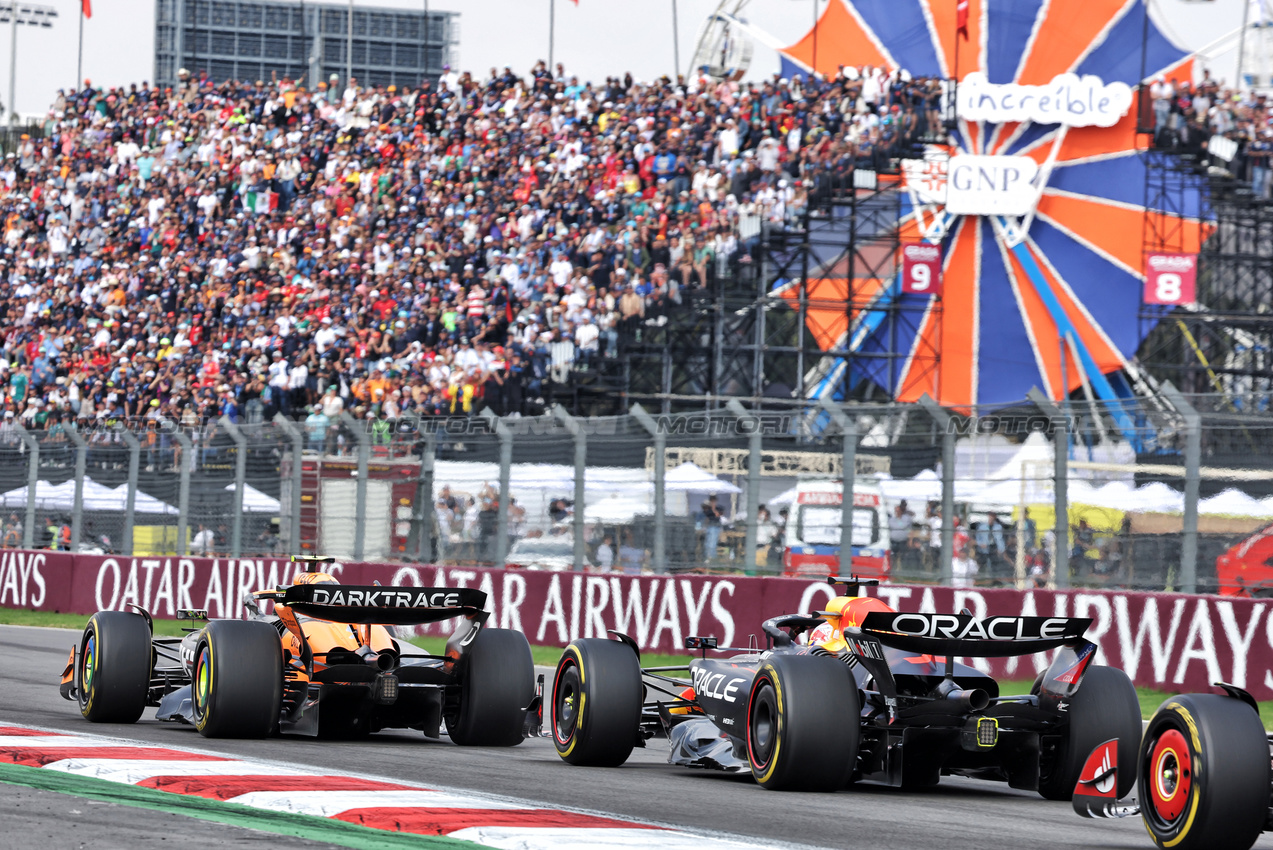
(327, 804)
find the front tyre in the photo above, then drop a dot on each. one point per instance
(237, 679)
(803, 724)
(1104, 707)
(115, 662)
(596, 703)
(1204, 774)
(497, 683)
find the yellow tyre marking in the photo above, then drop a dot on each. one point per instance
(1195, 790)
(202, 720)
(97, 654)
(778, 726)
(573, 651)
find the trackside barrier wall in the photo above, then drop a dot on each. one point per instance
(1163, 640)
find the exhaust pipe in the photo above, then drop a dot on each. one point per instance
(382, 661)
(974, 699)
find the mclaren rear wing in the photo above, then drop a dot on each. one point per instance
(391, 606)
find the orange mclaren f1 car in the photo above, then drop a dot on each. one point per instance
(326, 661)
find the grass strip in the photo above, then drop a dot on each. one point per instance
(308, 827)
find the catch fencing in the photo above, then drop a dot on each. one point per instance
(1165, 495)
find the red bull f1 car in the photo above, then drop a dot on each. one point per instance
(1204, 773)
(874, 695)
(326, 661)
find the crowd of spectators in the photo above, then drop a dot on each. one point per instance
(250, 248)
(1188, 116)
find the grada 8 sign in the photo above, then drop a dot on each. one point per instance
(921, 268)
(1171, 278)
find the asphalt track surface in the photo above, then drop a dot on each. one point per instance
(958, 813)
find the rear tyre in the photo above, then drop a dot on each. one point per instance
(497, 683)
(115, 662)
(596, 703)
(237, 679)
(1104, 707)
(1204, 774)
(803, 724)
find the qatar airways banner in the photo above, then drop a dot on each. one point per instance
(1172, 642)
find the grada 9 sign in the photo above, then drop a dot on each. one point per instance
(1171, 278)
(921, 268)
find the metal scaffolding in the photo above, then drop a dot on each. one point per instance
(257, 39)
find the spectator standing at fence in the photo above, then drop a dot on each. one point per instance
(1084, 537)
(1031, 530)
(934, 537)
(990, 544)
(604, 556)
(766, 533)
(13, 532)
(899, 532)
(204, 541)
(630, 555)
(711, 519)
(316, 425)
(963, 568)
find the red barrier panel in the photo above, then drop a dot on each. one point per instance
(1169, 641)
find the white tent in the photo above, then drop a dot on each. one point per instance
(691, 478)
(924, 487)
(1032, 459)
(1009, 493)
(1233, 502)
(97, 497)
(256, 502)
(1114, 495)
(1160, 498)
(45, 497)
(615, 509)
(142, 503)
(784, 499)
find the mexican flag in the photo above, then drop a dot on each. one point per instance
(260, 202)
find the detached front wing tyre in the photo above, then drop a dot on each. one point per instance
(115, 662)
(1104, 707)
(237, 679)
(803, 724)
(1204, 774)
(497, 684)
(596, 703)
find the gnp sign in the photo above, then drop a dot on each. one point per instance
(1067, 100)
(991, 185)
(1171, 278)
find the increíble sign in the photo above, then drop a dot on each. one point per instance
(1067, 100)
